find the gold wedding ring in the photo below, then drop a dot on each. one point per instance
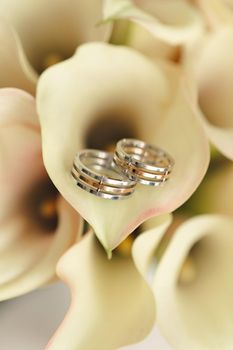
(142, 162)
(95, 172)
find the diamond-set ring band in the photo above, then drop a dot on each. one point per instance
(115, 176)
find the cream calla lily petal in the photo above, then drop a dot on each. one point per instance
(51, 30)
(29, 246)
(134, 35)
(145, 244)
(14, 67)
(112, 305)
(20, 144)
(174, 21)
(118, 85)
(198, 315)
(218, 12)
(17, 106)
(212, 84)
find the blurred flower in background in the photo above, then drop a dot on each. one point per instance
(175, 21)
(36, 224)
(163, 75)
(36, 35)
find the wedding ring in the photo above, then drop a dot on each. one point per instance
(95, 172)
(142, 162)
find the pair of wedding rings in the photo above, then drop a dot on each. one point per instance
(115, 175)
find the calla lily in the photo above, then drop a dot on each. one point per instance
(106, 93)
(211, 64)
(131, 34)
(50, 31)
(112, 305)
(198, 314)
(174, 21)
(36, 226)
(15, 69)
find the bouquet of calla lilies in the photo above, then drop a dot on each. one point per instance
(85, 75)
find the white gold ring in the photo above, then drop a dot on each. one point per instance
(142, 162)
(95, 172)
